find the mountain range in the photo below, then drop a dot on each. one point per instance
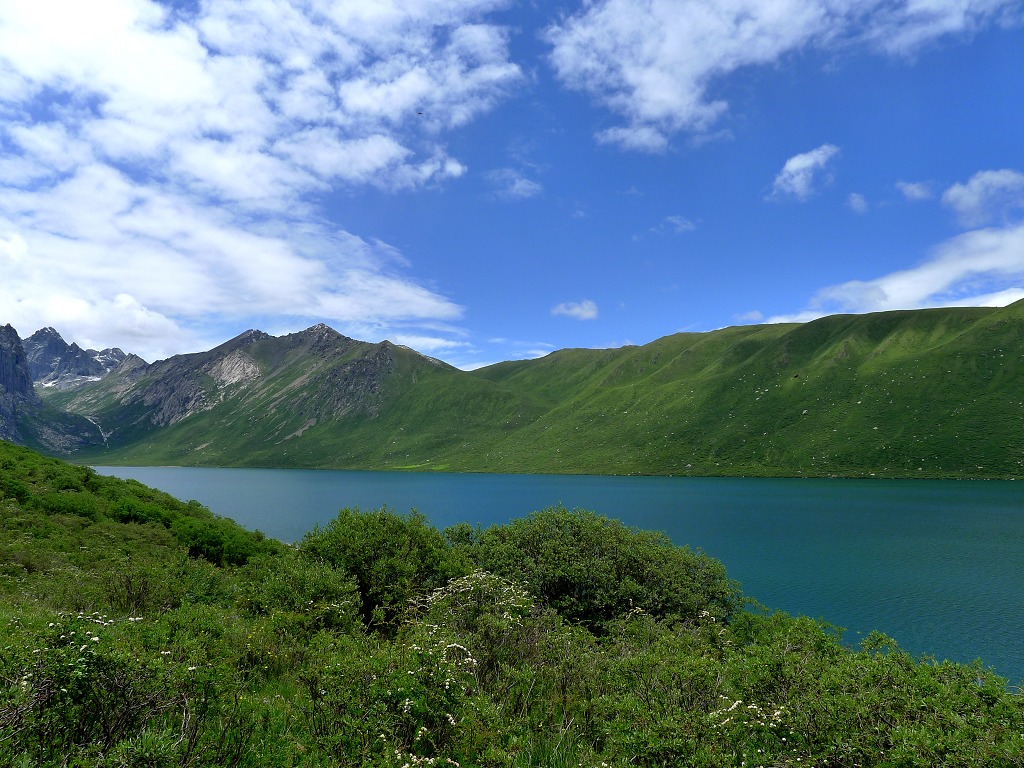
(921, 393)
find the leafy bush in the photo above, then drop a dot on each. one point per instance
(77, 690)
(218, 540)
(593, 569)
(326, 597)
(393, 559)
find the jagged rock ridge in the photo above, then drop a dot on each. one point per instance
(24, 417)
(52, 362)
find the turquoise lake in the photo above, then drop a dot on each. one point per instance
(937, 565)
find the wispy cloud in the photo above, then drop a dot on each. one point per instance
(159, 165)
(656, 64)
(915, 190)
(580, 310)
(674, 224)
(984, 267)
(857, 202)
(986, 197)
(680, 224)
(432, 345)
(801, 172)
(510, 184)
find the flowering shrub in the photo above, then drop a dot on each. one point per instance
(75, 689)
(413, 695)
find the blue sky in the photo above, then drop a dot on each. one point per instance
(485, 180)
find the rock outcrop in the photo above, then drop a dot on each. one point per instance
(16, 391)
(24, 417)
(52, 362)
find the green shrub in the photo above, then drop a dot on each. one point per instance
(393, 559)
(12, 488)
(323, 596)
(592, 569)
(377, 702)
(218, 540)
(78, 691)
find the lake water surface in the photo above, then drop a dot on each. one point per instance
(937, 565)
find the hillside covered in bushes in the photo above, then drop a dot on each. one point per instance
(137, 630)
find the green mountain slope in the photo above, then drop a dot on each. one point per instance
(925, 393)
(314, 398)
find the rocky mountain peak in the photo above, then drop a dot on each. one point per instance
(252, 335)
(321, 331)
(243, 339)
(52, 362)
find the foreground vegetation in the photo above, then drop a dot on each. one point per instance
(136, 630)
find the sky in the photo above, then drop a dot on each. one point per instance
(485, 180)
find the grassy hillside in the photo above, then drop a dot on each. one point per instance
(136, 630)
(926, 393)
(305, 400)
(932, 393)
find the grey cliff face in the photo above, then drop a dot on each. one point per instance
(16, 391)
(54, 363)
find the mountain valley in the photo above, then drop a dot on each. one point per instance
(923, 393)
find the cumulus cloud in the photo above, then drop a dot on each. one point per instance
(656, 64)
(128, 265)
(857, 202)
(986, 197)
(798, 176)
(580, 310)
(915, 190)
(674, 224)
(680, 223)
(510, 184)
(984, 267)
(161, 164)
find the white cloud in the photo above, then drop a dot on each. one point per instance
(580, 310)
(798, 176)
(656, 64)
(674, 224)
(432, 345)
(987, 196)
(984, 267)
(643, 138)
(163, 165)
(510, 184)
(100, 251)
(915, 190)
(857, 202)
(680, 223)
